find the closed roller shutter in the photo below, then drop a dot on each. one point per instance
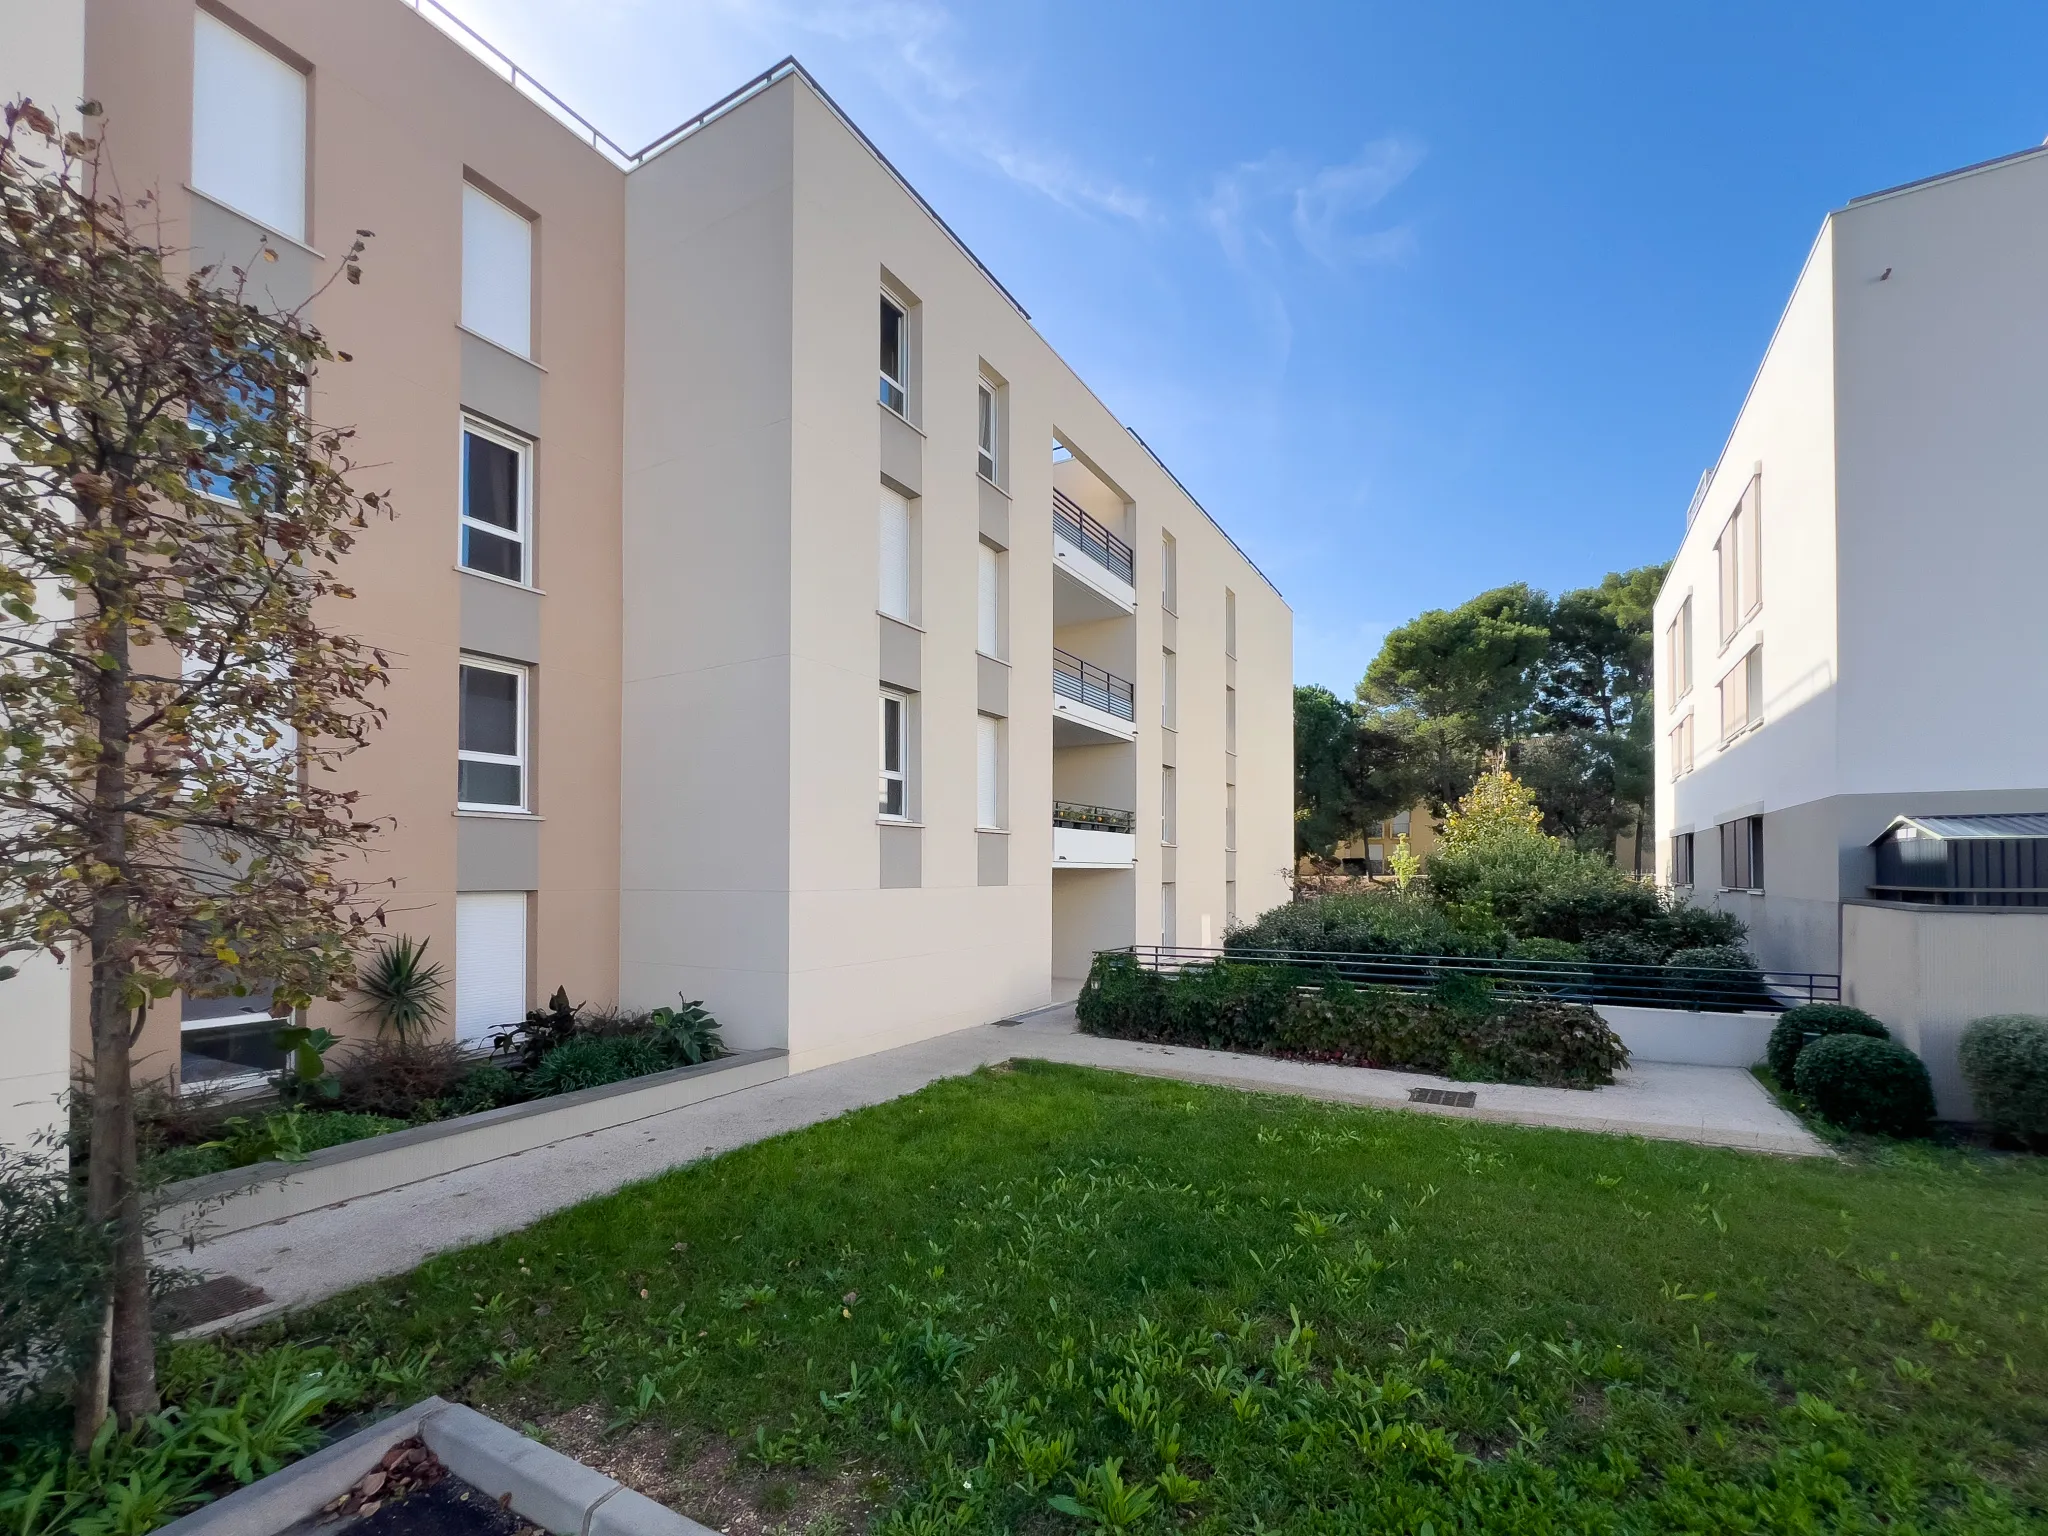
(490, 963)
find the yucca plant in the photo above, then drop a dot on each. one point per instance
(401, 989)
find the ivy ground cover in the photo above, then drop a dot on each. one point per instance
(1048, 1299)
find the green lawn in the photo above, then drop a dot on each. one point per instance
(1180, 1306)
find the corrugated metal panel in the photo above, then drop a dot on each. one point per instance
(1962, 828)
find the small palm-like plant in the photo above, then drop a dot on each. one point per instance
(689, 1031)
(402, 990)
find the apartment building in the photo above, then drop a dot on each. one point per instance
(777, 619)
(1850, 628)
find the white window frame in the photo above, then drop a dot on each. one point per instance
(1682, 746)
(987, 432)
(1678, 642)
(900, 774)
(1752, 693)
(1688, 865)
(521, 737)
(887, 505)
(1169, 572)
(523, 536)
(900, 404)
(1169, 806)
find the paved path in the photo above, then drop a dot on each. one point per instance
(320, 1253)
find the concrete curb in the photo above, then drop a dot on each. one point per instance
(544, 1486)
(198, 1210)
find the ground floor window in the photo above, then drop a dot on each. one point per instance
(222, 1039)
(490, 963)
(1681, 859)
(1742, 854)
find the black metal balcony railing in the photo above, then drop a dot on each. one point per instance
(1086, 683)
(1092, 539)
(1092, 818)
(1700, 988)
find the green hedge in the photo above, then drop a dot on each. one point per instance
(1464, 1030)
(2005, 1057)
(1788, 1035)
(1863, 1084)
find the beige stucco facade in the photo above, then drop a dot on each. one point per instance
(699, 628)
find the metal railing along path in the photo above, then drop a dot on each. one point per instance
(1086, 683)
(1092, 818)
(1695, 988)
(1074, 525)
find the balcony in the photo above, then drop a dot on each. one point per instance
(1092, 837)
(1090, 705)
(1098, 564)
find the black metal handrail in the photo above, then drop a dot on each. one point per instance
(1698, 988)
(1086, 683)
(1092, 539)
(1092, 818)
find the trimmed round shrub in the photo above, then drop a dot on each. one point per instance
(1788, 1035)
(1623, 949)
(1685, 926)
(2005, 1058)
(1866, 1084)
(1714, 976)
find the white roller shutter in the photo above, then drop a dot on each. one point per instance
(248, 128)
(988, 635)
(988, 766)
(497, 272)
(490, 963)
(895, 574)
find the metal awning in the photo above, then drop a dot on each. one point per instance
(1981, 828)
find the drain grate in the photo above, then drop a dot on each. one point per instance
(1447, 1096)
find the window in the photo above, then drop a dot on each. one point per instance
(224, 1038)
(1742, 854)
(1681, 747)
(895, 357)
(1229, 622)
(1681, 859)
(1742, 694)
(988, 601)
(1229, 817)
(248, 127)
(1230, 719)
(1169, 808)
(895, 797)
(497, 480)
(1167, 931)
(985, 432)
(1229, 905)
(1402, 823)
(490, 963)
(1739, 553)
(1169, 573)
(490, 770)
(1169, 690)
(497, 272)
(988, 772)
(1678, 652)
(894, 598)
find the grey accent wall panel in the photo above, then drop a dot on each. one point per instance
(498, 385)
(902, 857)
(1169, 863)
(991, 686)
(497, 853)
(902, 651)
(992, 858)
(225, 239)
(500, 620)
(995, 515)
(902, 453)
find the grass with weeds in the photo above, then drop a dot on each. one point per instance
(1049, 1299)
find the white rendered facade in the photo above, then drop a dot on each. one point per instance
(1892, 448)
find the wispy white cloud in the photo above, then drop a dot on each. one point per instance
(1254, 208)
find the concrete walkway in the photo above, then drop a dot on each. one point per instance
(318, 1254)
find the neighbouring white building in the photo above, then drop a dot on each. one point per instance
(1853, 624)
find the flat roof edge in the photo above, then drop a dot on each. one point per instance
(1939, 176)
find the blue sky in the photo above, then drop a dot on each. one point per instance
(1417, 299)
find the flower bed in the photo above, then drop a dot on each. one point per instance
(1463, 1029)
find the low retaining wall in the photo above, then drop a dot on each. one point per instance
(1926, 972)
(1684, 1038)
(218, 1203)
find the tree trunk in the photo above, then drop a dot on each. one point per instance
(123, 1372)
